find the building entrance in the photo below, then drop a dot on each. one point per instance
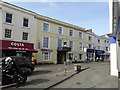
(61, 57)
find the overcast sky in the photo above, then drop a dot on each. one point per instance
(89, 15)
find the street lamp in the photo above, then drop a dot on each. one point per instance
(94, 52)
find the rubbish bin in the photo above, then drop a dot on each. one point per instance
(77, 67)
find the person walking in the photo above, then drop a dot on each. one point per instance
(75, 58)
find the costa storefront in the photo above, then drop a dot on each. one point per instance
(14, 48)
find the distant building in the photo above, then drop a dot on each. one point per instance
(97, 46)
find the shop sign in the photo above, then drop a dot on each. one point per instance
(18, 46)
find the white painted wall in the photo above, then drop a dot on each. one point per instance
(17, 25)
(113, 62)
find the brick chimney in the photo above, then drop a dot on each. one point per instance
(90, 30)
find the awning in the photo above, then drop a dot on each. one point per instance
(17, 46)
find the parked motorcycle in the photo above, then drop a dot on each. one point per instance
(8, 76)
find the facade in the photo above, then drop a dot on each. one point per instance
(97, 46)
(25, 33)
(17, 29)
(58, 41)
(115, 38)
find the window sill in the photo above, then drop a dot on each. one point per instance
(26, 27)
(8, 23)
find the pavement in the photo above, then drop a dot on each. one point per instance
(64, 76)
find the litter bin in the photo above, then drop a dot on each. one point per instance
(77, 67)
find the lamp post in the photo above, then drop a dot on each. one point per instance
(94, 52)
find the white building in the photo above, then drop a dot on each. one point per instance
(17, 30)
(97, 46)
(115, 38)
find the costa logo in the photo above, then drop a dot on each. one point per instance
(17, 44)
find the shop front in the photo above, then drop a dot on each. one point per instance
(99, 55)
(90, 54)
(14, 48)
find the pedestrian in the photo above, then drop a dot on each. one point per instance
(70, 59)
(100, 58)
(86, 59)
(97, 58)
(75, 58)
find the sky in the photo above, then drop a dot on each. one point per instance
(88, 15)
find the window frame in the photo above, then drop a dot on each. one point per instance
(9, 18)
(48, 27)
(58, 30)
(80, 47)
(49, 56)
(43, 42)
(24, 36)
(25, 22)
(72, 34)
(10, 33)
(72, 46)
(79, 34)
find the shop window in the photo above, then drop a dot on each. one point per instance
(25, 36)
(25, 22)
(46, 56)
(46, 27)
(80, 34)
(8, 18)
(8, 33)
(70, 32)
(45, 42)
(71, 44)
(60, 31)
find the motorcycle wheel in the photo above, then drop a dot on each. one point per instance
(22, 79)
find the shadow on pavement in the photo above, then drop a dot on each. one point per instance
(35, 82)
(40, 72)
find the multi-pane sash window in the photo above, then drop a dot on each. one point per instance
(46, 56)
(105, 41)
(45, 42)
(60, 31)
(25, 22)
(80, 46)
(8, 33)
(71, 44)
(106, 48)
(46, 27)
(98, 40)
(70, 32)
(89, 38)
(59, 43)
(8, 18)
(25, 36)
(80, 34)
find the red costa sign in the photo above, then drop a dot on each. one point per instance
(18, 46)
